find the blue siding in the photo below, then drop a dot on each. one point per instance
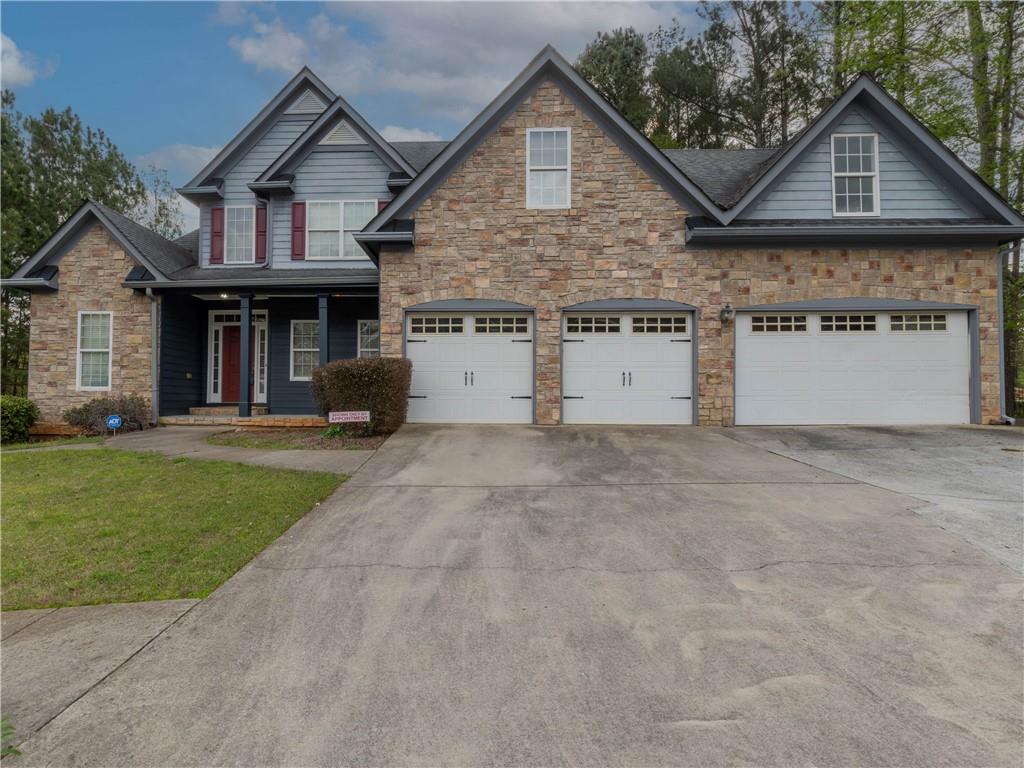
(328, 173)
(285, 396)
(909, 189)
(182, 349)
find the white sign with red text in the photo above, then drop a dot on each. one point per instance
(347, 417)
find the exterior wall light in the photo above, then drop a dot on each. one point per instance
(727, 314)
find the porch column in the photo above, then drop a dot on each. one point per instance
(325, 336)
(245, 359)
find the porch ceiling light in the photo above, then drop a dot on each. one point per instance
(223, 295)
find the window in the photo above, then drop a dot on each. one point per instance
(847, 323)
(501, 324)
(305, 349)
(240, 235)
(434, 325)
(855, 174)
(592, 324)
(368, 338)
(547, 168)
(94, 349)
(917, 323)
(778, 323)
(660, 324)
(330, 226)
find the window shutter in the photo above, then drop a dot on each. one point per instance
(382, 204)
(261, 235)
(298, 231)
(217, 236)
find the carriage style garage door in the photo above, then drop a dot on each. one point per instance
(853, 366)
(470, 367)
(621, 368)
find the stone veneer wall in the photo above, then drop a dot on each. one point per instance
(90, 278)
(623, 237)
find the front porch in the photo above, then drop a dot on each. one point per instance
(246, 358)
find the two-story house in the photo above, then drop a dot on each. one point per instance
(549, 265)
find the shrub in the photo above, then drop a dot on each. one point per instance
(379, 385)
(92, 416)
(17, 414)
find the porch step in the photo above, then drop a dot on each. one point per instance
(234, 420)
(226, 410)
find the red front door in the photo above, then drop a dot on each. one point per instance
(231, 347)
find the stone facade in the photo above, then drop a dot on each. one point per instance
(623, 237)
(90, 278)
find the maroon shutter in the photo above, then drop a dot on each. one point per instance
(298, 231)
(261, 235)
(217, 236)
(382, 204)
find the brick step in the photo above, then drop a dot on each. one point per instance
(267, 420)
(226, 410)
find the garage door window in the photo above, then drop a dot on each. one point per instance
(778, 323)
(903, 323)
(499, 325)
(593, 324)
(435, 325)
(848, 323)
(660, 324)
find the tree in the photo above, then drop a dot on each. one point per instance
(616, 65)
(160, 211)
(50, 164)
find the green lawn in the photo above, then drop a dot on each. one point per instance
(51, 443)
(103, 526)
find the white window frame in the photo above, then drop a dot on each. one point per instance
(292, 349)
(847, 174)
(109, 350)
(229, 317)
(252, 252)
(341, 228)
(359, 337)
(567, 168)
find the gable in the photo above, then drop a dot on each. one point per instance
(911, 186)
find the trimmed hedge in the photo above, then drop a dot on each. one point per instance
(379, 385)
(92, 416)
(17, 414)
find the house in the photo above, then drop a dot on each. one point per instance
(548, 265)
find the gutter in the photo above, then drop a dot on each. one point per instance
(154, 353)
(308, 281)
(1003, 415)
(878, 233)
(370, 241)
(30, 283)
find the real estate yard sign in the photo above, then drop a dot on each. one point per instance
(348, 417)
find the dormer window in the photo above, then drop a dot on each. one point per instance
(855, 174)
(547, 168)
(240, 235)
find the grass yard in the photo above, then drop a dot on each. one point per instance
(279, 439)
(58, 441)
(106, 526)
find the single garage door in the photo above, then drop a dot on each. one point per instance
(627, 368)
(475, 368)
(853, 367)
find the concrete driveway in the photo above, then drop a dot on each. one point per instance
(591, 596)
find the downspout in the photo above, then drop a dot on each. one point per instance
(154, 362)
(1000, 255)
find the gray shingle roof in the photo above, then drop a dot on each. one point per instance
(723, 174)
(286, 275)
(189, 241)
(419, 153)
(162, 253)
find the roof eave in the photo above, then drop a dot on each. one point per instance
(305, 281)
(30, 283)
(280, 185)
(880, 234)
(371, 242)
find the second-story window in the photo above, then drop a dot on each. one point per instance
(855, 174)
(547, 168)
(330, 226)
(240, 235)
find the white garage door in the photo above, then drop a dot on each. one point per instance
(627, 369)
(475, 368)
(853, 368)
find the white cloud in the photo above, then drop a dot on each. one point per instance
(443, 59)
(19, 67)
(397, 133)
(189, 215)
(179, 160)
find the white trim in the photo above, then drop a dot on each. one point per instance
(341, 229)
(567, 168)
(260, 318)
(79, 350)
(877, 187)
(359, 337)
(292, 350)
(252, 254)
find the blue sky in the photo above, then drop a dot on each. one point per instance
(170, 83)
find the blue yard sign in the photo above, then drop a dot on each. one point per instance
(114, 422)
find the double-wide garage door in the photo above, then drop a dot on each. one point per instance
(853, 368)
